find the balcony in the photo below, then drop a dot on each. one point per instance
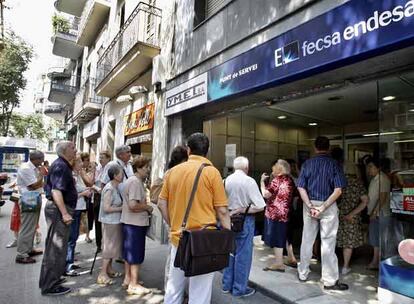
(131, 52)
(71, 7)
(93, 19)
(62, 91)
(55, 111)
(87, 104)
(65, 43)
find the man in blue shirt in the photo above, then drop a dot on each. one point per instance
(320, 184)
(62, 197)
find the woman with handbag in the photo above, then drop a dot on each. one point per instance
(110, 217)
(135, 221)
(279, 195)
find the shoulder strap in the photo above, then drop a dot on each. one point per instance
(193, 191)
(123, 169)
(247, 210)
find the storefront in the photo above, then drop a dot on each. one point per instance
(138, 130)
(347, 74)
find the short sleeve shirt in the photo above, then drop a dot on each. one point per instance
(379, 184)
(60, 178)
(27, 175)
(242, 190)
(176, 191)
(80, 187)
(116, 201)
(320, 175)
(134, 189)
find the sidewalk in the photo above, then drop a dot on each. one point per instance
(286, 287)
(19, 283)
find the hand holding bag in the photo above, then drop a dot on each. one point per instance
(30, 201)
(205, 250)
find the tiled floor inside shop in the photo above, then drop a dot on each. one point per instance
(362, 282)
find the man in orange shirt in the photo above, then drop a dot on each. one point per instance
(210, 203)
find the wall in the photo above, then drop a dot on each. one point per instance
(235, 29)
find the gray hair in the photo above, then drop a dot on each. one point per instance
(62, 146)
(284, 165)
(121, 149)
(36, 154)
(240, 163)
(113, 171)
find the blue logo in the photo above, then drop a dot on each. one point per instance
(287, 54)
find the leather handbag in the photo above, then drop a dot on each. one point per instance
(237, 220)
(204, 250)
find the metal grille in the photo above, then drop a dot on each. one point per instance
(212, 6)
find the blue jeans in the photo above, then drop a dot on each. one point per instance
(236, 275)
(73, 237)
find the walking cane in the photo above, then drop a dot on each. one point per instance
(94, 260)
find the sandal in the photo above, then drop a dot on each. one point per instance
(138, 290)
(104, 281)
(125, 285)
(115, 274)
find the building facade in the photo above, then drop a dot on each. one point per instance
(263, 80)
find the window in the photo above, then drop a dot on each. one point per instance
(204, 9)
(122, 15)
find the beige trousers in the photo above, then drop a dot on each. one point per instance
(328, 227)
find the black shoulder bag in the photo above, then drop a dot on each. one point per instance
(205, 250)
(237, 220)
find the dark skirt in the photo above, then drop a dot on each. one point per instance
(134, 243)
(275, 233)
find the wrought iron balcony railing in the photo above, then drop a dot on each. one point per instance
(143, 25)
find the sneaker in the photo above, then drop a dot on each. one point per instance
(225, 291)
(345, 270)
(61, 281)
(26, 260)
(71, 273)
(249, 292)
(12, 244)
(57, 291)
(337, 286)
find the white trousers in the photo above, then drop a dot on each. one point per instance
(328, 227)
(200, 287)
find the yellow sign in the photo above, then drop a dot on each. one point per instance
(139, 121)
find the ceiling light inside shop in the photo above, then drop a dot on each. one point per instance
(411, 110)
(282, 117)
(313, 124)
(382, 134)
(388, 98)
(403, 141)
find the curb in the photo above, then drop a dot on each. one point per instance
(271, 294)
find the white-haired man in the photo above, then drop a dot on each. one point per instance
(242, 192)
(123, 157)
(62, 198)
(29, 179)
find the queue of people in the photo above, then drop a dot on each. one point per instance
(331, 194)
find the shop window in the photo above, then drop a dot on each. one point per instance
(396, 215)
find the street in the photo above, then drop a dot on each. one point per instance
(19, 283)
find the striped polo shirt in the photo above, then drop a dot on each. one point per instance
(320, 175)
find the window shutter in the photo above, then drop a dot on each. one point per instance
(214, 5)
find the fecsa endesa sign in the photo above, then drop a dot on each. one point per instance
(348, 33)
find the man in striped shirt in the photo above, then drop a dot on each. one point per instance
(320, 184)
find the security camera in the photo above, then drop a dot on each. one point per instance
(124, 98)
(137, 90)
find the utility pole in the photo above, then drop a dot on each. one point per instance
(1, 26)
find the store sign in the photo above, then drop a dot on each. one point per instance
(139, 121)
(403, 202)
(354, 31)
(91, 128)
(187, 95)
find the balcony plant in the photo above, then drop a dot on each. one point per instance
(60, 24)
